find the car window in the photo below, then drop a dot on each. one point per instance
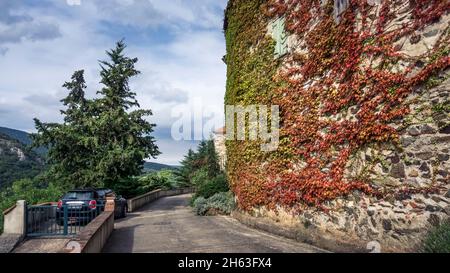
(79, 195)
(101, 193)
(111, 194)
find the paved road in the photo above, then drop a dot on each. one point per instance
(169, 225)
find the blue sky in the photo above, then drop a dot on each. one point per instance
(179, 44)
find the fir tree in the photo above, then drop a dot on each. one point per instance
(125, 138)
(102, 141)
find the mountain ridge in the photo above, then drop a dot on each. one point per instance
(23, 137)
(153, 166)
(17, 162)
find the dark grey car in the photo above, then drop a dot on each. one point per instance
(83, 205)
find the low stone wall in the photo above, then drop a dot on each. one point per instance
(94, 236)
(142, 200)
(14, 219)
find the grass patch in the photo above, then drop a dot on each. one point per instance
(438, 240)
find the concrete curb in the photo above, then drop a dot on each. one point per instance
(142, 200)
(9, 241)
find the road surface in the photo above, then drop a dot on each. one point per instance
(168, 225)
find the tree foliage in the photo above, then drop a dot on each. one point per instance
(133, 186)
(205, 158)
(104, 140)
(33, 191)
(202, 170)
(16, 162)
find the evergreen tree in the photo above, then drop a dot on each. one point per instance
(69, 154)
(102, 141)
(75, 102)
(212, 160)
(124, 136)
(204, 159)
(185, 172)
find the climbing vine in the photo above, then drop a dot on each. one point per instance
(339, 92)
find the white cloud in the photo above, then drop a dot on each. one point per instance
(203, 13)
(17, 25)
(172, 151)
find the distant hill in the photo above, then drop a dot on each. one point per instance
(152, 166)
(12, 168)
(16, 162)
(22, 137)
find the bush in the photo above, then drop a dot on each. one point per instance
(31, 190)
(128, 187)
(154, 181)
(222, 202)
(134, 186)
(438, 240)
(209, 187)
(199, 177)
(200, 206)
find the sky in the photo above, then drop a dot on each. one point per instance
(179, 44)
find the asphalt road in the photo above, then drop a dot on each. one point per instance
(168, 225)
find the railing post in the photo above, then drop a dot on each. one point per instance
(14, 219)
(25, 220)
(66, 220)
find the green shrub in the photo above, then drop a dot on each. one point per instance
(438, 240)
(128, 187)
(31, 190)
(199, 177)
(200, 206)
(209, 187)
(155, 181)
(134, 186)
(222, 202)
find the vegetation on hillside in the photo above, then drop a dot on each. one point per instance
(153, 166)
(16, 162)
(24, 138)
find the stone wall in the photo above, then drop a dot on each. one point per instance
(398, 220)
(142, 200)
(219, 145)
(420, 160)
(15, 217)
(95, 235)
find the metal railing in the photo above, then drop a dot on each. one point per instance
(51, 220)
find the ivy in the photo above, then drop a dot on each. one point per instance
(348, 66)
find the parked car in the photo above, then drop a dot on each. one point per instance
(83, 205)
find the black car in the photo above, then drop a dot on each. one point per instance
(83, 205)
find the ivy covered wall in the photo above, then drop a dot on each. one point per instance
(365, 123)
